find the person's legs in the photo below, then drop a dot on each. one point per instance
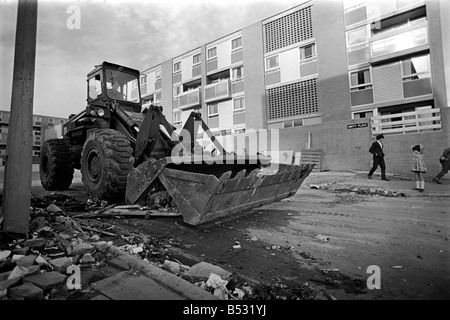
(417, 180)
(421, 182)
(374, 167)
(445, 168)
(383, 169)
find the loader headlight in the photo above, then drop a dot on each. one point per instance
(101, 112)
(92, 112)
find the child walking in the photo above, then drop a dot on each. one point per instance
(418, 166)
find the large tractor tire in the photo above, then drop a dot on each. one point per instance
(56, 165)
(106, 160)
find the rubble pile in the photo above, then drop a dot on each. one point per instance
(359, 190)
(41, 267)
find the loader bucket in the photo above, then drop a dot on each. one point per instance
(205, 191)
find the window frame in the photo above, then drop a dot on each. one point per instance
(157, 74)
(213, 115)
(237, 78)
(208, 53)
(177, 118)
(354, 8)
(277, 58)
(242, 109)
(302, 52)
(359, 44)
(239, 45)
(143, 83)
(199, 55)
(177, 88)
(406, 78)
(365, 113)
(363, 86)
(177, 63)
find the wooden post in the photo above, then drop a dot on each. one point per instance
(19, 149)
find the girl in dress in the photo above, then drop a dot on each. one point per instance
(418, 166)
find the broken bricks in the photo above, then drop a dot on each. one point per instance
(61, 264)
(201, 271)
(36, 243)
(27, 291)
(47, 280)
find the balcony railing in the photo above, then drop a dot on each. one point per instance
(189, 99)
(218, 91)
(408, 122)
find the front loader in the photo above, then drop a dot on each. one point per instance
(128, 153)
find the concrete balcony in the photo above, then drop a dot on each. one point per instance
(189, 99)
(218, 91)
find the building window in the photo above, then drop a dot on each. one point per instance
(272, 62)
(177, 118)
(236, 43)
(50, 120)
(416, 68)
(213, 110)
(62, 121)
(177, 67)
(158, 74)
(363, 115)
(212, 53)
(308, 52)
(357, 37)
(355, 14)
(238, 105)
(144, 80)
(38, 121)
(360, 80)
(157, 97)
(237, 73)
(177, 90)
(196, 59)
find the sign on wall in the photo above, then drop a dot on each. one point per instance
(357, 125)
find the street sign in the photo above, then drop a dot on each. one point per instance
(357, 125)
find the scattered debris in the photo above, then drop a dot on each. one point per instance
(358, 190)
(322, 237)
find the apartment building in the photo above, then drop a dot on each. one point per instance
(43, 128)
(329, 75)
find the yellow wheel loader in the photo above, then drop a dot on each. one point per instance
(126, 153)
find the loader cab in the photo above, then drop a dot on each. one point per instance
(114, 83)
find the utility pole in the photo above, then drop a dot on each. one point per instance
(19, 149)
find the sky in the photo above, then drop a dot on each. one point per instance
(138, 34)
